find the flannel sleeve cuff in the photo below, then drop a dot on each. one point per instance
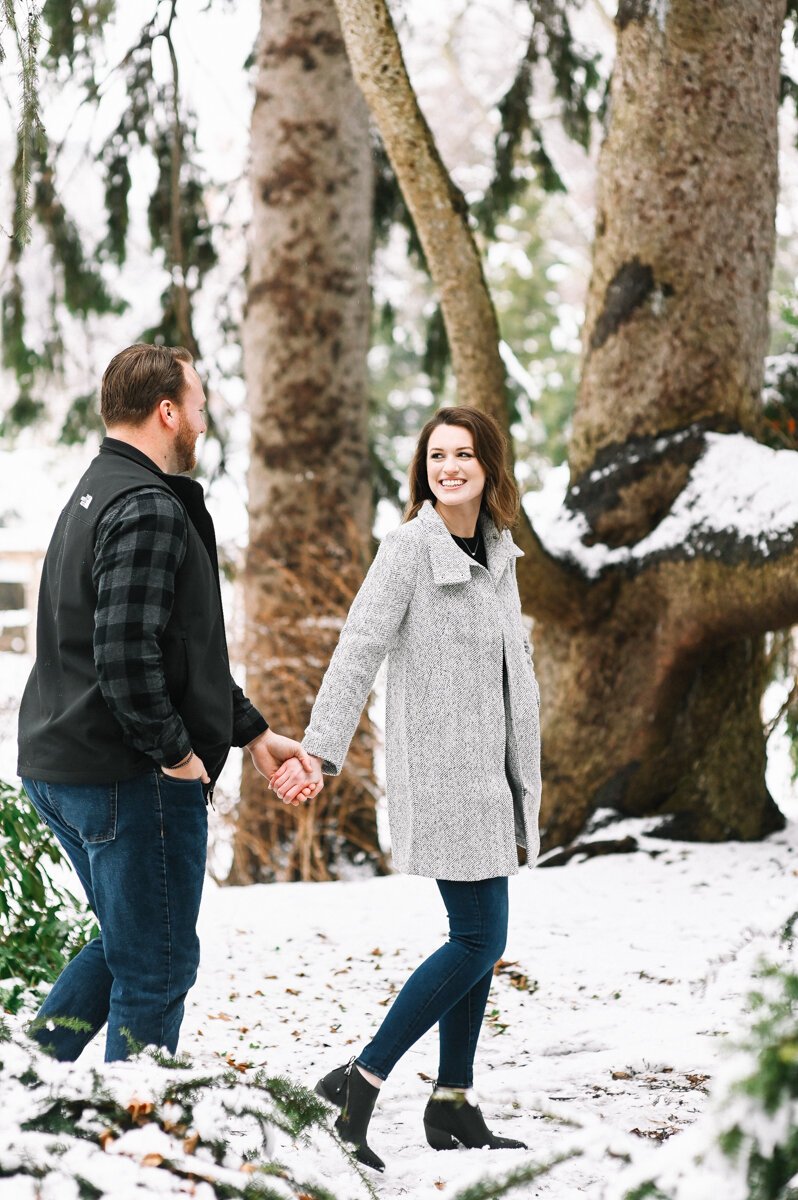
(248, 725)
(173, 750)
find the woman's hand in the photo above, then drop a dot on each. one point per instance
(270, 751)
(293, 783)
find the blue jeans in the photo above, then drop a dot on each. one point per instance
(138, 847)
(450, 987)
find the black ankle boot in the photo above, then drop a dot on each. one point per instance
(451, 1120)
(332, 1087)
(355, 1096)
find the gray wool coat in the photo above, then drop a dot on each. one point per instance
(462, 746)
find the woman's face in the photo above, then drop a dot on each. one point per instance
(456, 477)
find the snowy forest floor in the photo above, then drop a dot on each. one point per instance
(622, 979)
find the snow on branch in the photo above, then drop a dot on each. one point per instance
(162, 1127)
(740, 503)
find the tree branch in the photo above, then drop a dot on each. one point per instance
(437, 206)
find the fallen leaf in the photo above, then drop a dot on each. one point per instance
(238, 1066)
(518, 979)
(439, 1184)
(293, 992)
(656, 1135)
(106, 1139)
(190, 1143)
(139, 1109)
(377, 952)
(622, 1075)
(152, 1160)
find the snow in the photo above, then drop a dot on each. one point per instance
(637, 968)
(737, 486)
(640, 965)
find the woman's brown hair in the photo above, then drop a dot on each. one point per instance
(500, 497)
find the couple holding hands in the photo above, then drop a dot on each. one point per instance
(130, 711)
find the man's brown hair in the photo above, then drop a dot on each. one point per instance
(500, 497)
(137, 378)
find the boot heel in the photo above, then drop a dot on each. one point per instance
(438, 1139)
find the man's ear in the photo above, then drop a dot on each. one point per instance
(167, 413)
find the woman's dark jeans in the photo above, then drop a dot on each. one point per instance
(450, 987)
(139, 849)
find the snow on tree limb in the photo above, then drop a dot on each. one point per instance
(739, 504)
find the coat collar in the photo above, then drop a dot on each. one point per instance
(449, 563)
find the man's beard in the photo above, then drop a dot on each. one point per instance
(184, 447)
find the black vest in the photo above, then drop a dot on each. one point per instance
(67, 733)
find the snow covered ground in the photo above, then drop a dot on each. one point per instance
(622, 978)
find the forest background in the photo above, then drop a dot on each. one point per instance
(636, 337)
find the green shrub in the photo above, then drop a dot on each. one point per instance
(42, 925)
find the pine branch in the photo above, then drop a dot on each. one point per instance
(30, 130)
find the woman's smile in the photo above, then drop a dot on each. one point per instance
(456, 476)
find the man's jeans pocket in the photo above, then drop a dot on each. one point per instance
(89, 809)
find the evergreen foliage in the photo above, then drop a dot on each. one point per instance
(153, 123)
(512, 1182)
(520, 152)
(410, 364)
(168, 1127)
(42, 925)
(26, 35)
(746, 1144)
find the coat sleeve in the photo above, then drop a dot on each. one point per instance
(369, 631)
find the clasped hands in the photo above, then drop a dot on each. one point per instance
(292, 773)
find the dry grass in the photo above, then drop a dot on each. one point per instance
(294, 615)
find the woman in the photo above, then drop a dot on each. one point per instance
(462, 753)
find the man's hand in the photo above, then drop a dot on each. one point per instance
(193, 769)
(292, 780)
(270, 750)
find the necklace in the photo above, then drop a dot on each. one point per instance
(464, 543)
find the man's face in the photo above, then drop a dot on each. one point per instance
(191, 421)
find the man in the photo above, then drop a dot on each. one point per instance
(130, 710)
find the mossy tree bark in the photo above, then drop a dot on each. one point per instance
(305, 345)
(652, 697)
(651, 671)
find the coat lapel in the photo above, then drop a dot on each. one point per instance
(499, 547)
(449, 563)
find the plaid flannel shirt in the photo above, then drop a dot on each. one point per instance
(141, 542)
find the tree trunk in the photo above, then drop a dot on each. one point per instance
(437, 206)
(651, 701)
(440, 215)
(649, 652)
(305, 344)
